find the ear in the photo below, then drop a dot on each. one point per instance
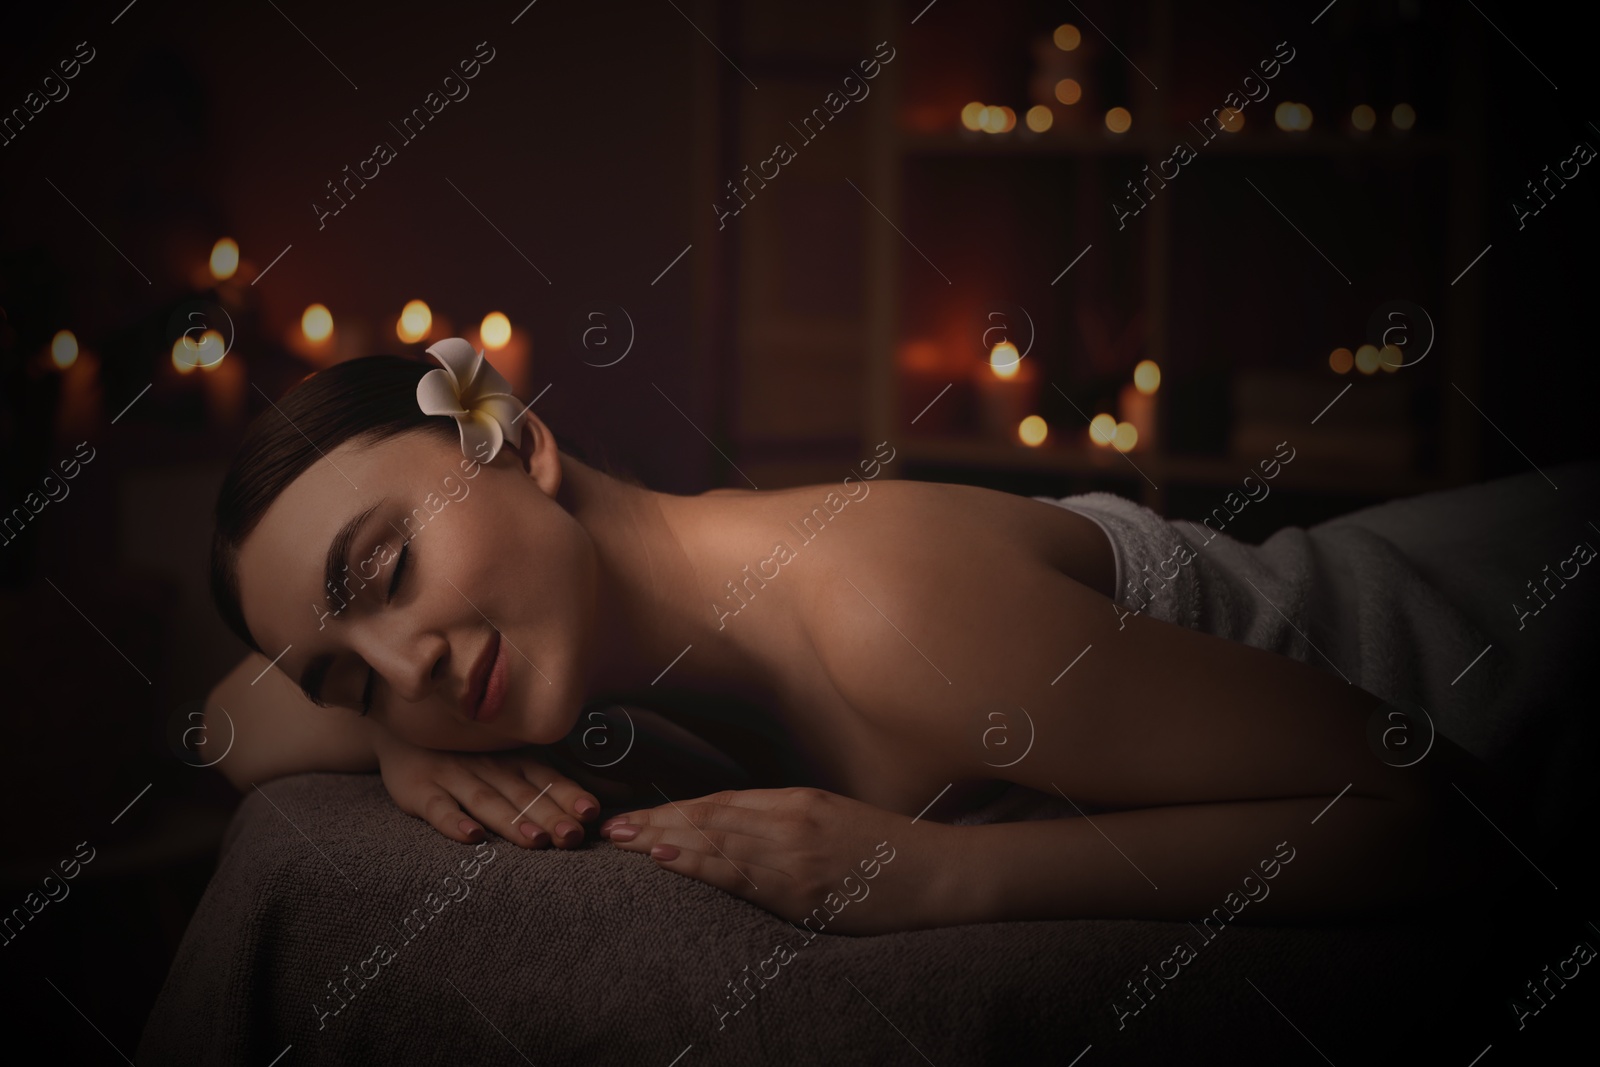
(537, 454)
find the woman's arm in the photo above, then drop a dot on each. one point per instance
(1226, 750)
(276, 731)
(1227, 763)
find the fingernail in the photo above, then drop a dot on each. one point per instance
(540, 839)
(566, 830)
(664, 852)
(529, 830)
(624, 833)
(586, 808)
(615, 820)
(469, 827)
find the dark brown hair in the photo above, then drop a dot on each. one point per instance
(367, 399)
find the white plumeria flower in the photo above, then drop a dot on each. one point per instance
(472, 392)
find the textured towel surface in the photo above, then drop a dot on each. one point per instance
(598, 956)
(1405, 600)
(1338, 597)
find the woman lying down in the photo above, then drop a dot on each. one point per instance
(437, 587)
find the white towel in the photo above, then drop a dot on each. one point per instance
(1337, 596)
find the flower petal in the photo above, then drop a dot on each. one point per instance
(459, 359)
(481, 436)
(486, 381)
(436, 394)
(505, 409)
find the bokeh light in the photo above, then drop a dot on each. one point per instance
(224, 258)
(1125, 437)
(1363, 118)
(1119, 120)
(64, 349)
(1033, 430)
(1146, 376)
(1068, 91)
(1341, 360)
(1367, 359)
(1005, 360)
(316, 323)
(1404, 116)
(416, 319)
(1102, 429)
(1039, 118)
(495, 331)
(1067, 37)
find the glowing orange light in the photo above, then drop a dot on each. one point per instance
(1005, 360)
(1068, 91)
(1039, 118)
(1125, 437)
(1341, 360)
(316, 323)
(224, 258)
(495, 331)
(1102, 429)
(416, 319)
(1119, 120)
(1146, 376)
(1033, 430)
(64, 349)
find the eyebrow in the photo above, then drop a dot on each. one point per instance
(332, 569)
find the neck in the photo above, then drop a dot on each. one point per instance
(653, 553)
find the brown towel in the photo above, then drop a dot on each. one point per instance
(598, 956)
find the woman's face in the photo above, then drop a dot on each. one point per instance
(437, 559)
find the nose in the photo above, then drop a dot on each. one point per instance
(410, 658)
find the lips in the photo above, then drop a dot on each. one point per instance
(486, 684)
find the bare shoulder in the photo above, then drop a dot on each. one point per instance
(932, 524)
(900, 576)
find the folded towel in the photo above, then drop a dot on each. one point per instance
(1336, 596)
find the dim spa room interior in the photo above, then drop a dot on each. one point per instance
(706, 532)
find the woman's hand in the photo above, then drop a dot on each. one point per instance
(804, 854)
(521, 799)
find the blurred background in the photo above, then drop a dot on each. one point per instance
(980, 243)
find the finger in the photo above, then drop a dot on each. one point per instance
(573, 798)
(738, 849)
(744, 879)
(536, 816)
(718, 811)
(754, 799)
(440, 810)
(484, 800)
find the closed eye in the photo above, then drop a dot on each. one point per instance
(394, 588)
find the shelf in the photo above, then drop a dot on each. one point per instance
(1162, 470)
(1161, 143)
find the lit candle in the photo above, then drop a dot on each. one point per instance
(507, 350)
(80, 395)
(224, 382)
(1007, 387)
(313, 338)
(1138, 405)
(1102, 429)
(416, 319)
